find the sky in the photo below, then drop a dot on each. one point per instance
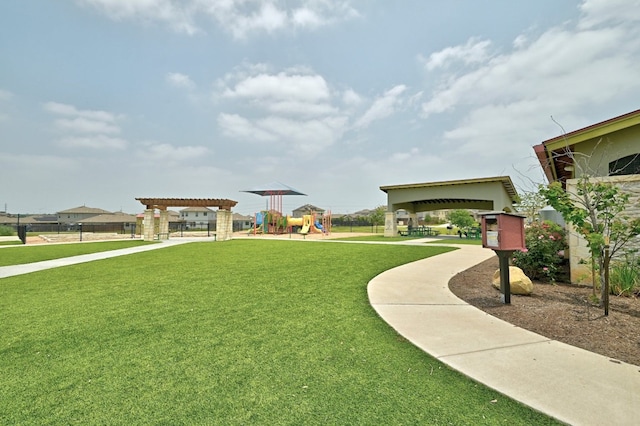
(103, 101)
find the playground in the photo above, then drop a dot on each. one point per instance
(274, 221)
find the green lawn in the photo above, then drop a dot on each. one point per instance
(37, 253)
(377, 238)
(241, 332)
(436, 240)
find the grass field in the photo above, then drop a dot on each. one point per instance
(29, 254)
(241, 332)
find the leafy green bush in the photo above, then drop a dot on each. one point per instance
(6, 231)
(624, 276)
(542, 257)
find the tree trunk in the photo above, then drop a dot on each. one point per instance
(605, 282)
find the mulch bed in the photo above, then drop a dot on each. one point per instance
(560, 311)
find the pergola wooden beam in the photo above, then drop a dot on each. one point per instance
(163, 203)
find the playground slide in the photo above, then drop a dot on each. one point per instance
(306, 224)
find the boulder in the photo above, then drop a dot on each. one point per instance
(520, 283)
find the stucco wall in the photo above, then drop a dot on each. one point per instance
(579, 257)
(593, 156)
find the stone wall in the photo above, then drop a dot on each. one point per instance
(579, 256)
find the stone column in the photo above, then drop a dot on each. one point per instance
(414, 219)
(224, 225)
(148, 224)
(390, 224)
(163, 229)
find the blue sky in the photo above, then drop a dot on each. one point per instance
(103, 101)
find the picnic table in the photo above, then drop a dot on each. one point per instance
(470, 233)
(420, 231)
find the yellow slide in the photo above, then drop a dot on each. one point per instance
(306, 224)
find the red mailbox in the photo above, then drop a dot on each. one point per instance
(503, 231)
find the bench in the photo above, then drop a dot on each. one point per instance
(159, 236)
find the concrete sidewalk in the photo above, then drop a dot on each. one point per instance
(570, 384)
(10, 271)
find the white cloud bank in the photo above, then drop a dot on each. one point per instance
(503, 100)
(296, 110)
(240, 18)
(92, 129)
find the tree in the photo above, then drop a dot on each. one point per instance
(461, 218)
(376, 217)
(530, 203)
(596, 210)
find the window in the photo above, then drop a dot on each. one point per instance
(629, 165)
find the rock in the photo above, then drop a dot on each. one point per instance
(520, 283)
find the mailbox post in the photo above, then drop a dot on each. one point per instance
(503, 233)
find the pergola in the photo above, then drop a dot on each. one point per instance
(224, 218)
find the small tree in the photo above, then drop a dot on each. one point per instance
(376, 217)
(597, 213)
(461, 218)
(530, 203)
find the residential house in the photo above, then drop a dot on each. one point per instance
(242, 222)
(197, 217)
(117, 222)
(78, 214)
(307, 209)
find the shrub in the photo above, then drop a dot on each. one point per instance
(542, 257)
(6, 231)
(624, 276)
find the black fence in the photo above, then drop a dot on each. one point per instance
(48, 228)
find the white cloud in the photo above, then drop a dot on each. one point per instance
(351, 98)
(473, 52)
(611, 12)
(285, 134)
(177, 15)
(70, 110)
(241, 18)
(177, 79)
(502, 105)
(280, 87)
(85, 125)
(167, 152)
(241, 128)
(293, 110)
(382, 107)
(558, 70)
(93, 142)
(95, 126)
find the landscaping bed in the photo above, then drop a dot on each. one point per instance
(560, 311)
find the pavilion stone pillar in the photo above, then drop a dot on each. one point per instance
(148, 224)
(390, 224)
(164, 224)
(413, 219)
(224, 225)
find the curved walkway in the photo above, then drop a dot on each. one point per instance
(570, 384)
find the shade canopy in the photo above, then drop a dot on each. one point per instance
(274, 188)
